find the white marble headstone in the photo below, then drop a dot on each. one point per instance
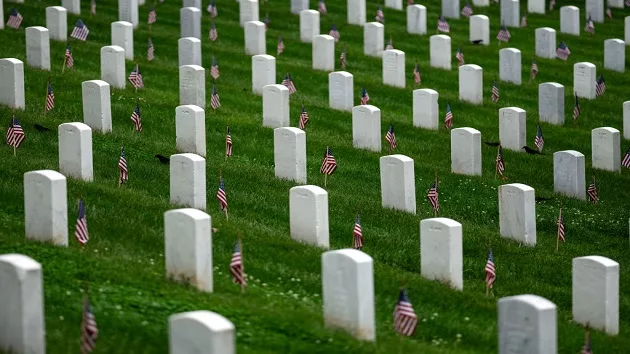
(466, 151)
(440, 51)
(308, 215)
(188, 180)
(201, 332)
(394, 4)
(189, 51)
(97, 109)
(527, 324)
(605, 147)
(248, 11)
(626, 30)
(56, 22)
(12, 78)
(570, 20)
(481, 3)
(425, 109)
(471, 83)
(616, 4)
(356, 12)
(546, 42)
(309, 25)
(46, 207)
(510, 13)
(584, 78)
(450, 8)
(568, 174)
(517, 213)
(38, 47)
(192, 85)
(394, 68)
(398, 185)
(75, 151)
(190, 129)
(512, 128)
(128, 11)
(275, 106)
(536, 6)
(510, 65)
(551, 103)
(323, 52)
(479, 29)
(73, 6)
(595, 9)
(298, 6)
(255, 41)
(113, 66)
(341, 90)
(263, 72)
(366, 128)
(626, 120)
(416, 19)
(441, 251)
(190, 22)
(122, 36)
(615, 55)
(189, 3)
(1, 15)
(373, 39)
(289, 154)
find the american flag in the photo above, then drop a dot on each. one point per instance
(150, 51)
(222, 196)
(365, 98)
(236, 265)
(280, 48)
(15, 19)
(467, 10)
(135, 78)
(329, 164)
(443, 25)
(390, 137)
(592, 192)
(561, 226)
(524, 21)
(589, 26)
(460, 57)
(576, 108)
(214, 100)
(212, 9)
(563, 51)
(389, 45)
(534, 71)
(609, 12)
(357, 234)
(15, 133)
(491, 274)
(50, 98)
(343, 58)
(410, 2)
(80, 31)
(495, 92)
(213, 32)
(600, 87)
(504, 34)
(586, 348)
(539, 141)
(93, 7)
(405, 318)
(380, 16)
(552, 3)
(322, 7)
(228, 143)
(448, 118)
(289, 84)
(500, 164)
(81, 231)
(214, 69)
(89, 331)
(334, 33)
(136, 119)
(122, 165)
(416, 75)
(303, 118)
(627, 3)
(152, 16)
(266, 21)
(68, 57)
(625, 162)
(433, 196)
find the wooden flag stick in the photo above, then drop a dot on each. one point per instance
(63, 66)
(557, 236)
(435, 212)
(240, 242)
(14, 151)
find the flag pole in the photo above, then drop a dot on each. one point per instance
(435, 212)
(496, 169)
(14, 150)
(226, 147)
(63, 66)
(325, 174)
(240, 242)
(558, 236)
(122, 147)
(46, 96)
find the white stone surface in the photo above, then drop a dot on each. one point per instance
(189, 51)
(113, 66)
(190, 129)
(348, 292)
(188, 247)
(38, 47)
(510, 65)
(323, 52)
(615, 55)
(1, 15)
(394, 4)
(527, 322)
(440, 51)
(122, 36)
(551, 103)
(450, 8)
(471, 83)
(22, 329)
(616, 4)
(190, 22)
(605, 147)
(276, 106)
(298, 6)
(517, 213)
(188, 180)
(248, 11)
(536, 6)
(510, 13)
(366, 128)
(356, 12)
(595, 9)
(75, 151)
(568, 174)
(309, 25)
(416, 19)
(394, 68)
(479, 28)
(596, 293)
(481, 3)
(12, 78)
(512, 128)
(570, 20)
(584, 77)
(425, 109)
(308, 215)
(373, 39)
(626, 30)
(192, 3)
(255, 42)
(289, 154)
(546, 42)
(466, 151)
(341, 90)
(128, 11)
(97, 110)
(626, 120)
(192, 85)
(73, 6)
(46, 207)
(398, 185)
(56, 22)
(263, 72)
(441, 251)
(201, 332)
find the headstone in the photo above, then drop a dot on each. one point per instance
(309, 25)
(398, 186)
(568, 174)
(517, 213)
(626, 30)
(481, 3)
(617, 4)
(276, 106)
(46, 207)
(471, 83)
(56, 22)
(122, 36)
(394, 68)
(12, 78)
(510, 65)
(188, 180)
(527, 324)
(394, 4)
(128, 11)
(416, 19)
(626, 120)
(373, 39)
(551, 103)
(248, 11)
(22, 305)
(605, 145)
(510, 13)
(190, 129)
(190, 22)
(75, 151)
(466, 151)
(341, 90)
(594, 9)
(366, 128)
(141, 2)
(38, 47)
(97, 108)
(584, 80)
(356, 12)
(201, 332)
(192, 3)
(113, 66)
(348, 292)
(596, 293)
(425, 109)
(73, 6)
(189, 51)
(570, 20)
(323, 52)
(255, 42)
(289, 154)
(1, 15)
(615, 55)
(441, 251)
(308, 215)
(546, 42)
(263, 72)
(192, 85)
(440, 51)
(512, 128)
(479, 29)
(188, 247)
(536, 6)
(298, 6)
(450, 8)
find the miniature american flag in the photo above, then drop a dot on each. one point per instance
(236, 265)
(534, 71)
(152, 16)
(500, 164)
(280, 49)
(491, 274)
(390, 137)
(561, 226)
(467, 10)
(136, 119)
(625, 162)
(460, 57)
(212, 9)
(524, 21)
(214, 69)
(93, 7)
(416, 75)
(68, 57)
(433, 196)
(329, 164)
(50, 98)
(222, 196)
(322, 7)
(600, 87)
(81, 230)
(343, 58)
(380, 16)
(334, 33)
(213, 32)
(289, 84)
(589, 26)
(122, 165)
(609, 12)
(150, 51)
(357, 234)
(89, 331)
(410, 2)
(495, 92)
(563, 51)
(448, 118)
(552, 3)
(592, 192)
(539, 141)
(15, 134)
(135, 78)
(627, 3)
(443, 25)
(303, 118)
(214, 100)
(15, 19)
(504, 34)
(576, 108)
(389, 45)
(365, 98)
(80, 31)
(228, 143)
(405, 318)
(266, 21)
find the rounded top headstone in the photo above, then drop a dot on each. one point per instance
(349, 253)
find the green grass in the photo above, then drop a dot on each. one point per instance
(282, 309)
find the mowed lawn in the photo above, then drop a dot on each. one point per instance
(281, 311)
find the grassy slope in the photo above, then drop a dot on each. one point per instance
(282, 310)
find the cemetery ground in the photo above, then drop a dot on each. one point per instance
(281, 310)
